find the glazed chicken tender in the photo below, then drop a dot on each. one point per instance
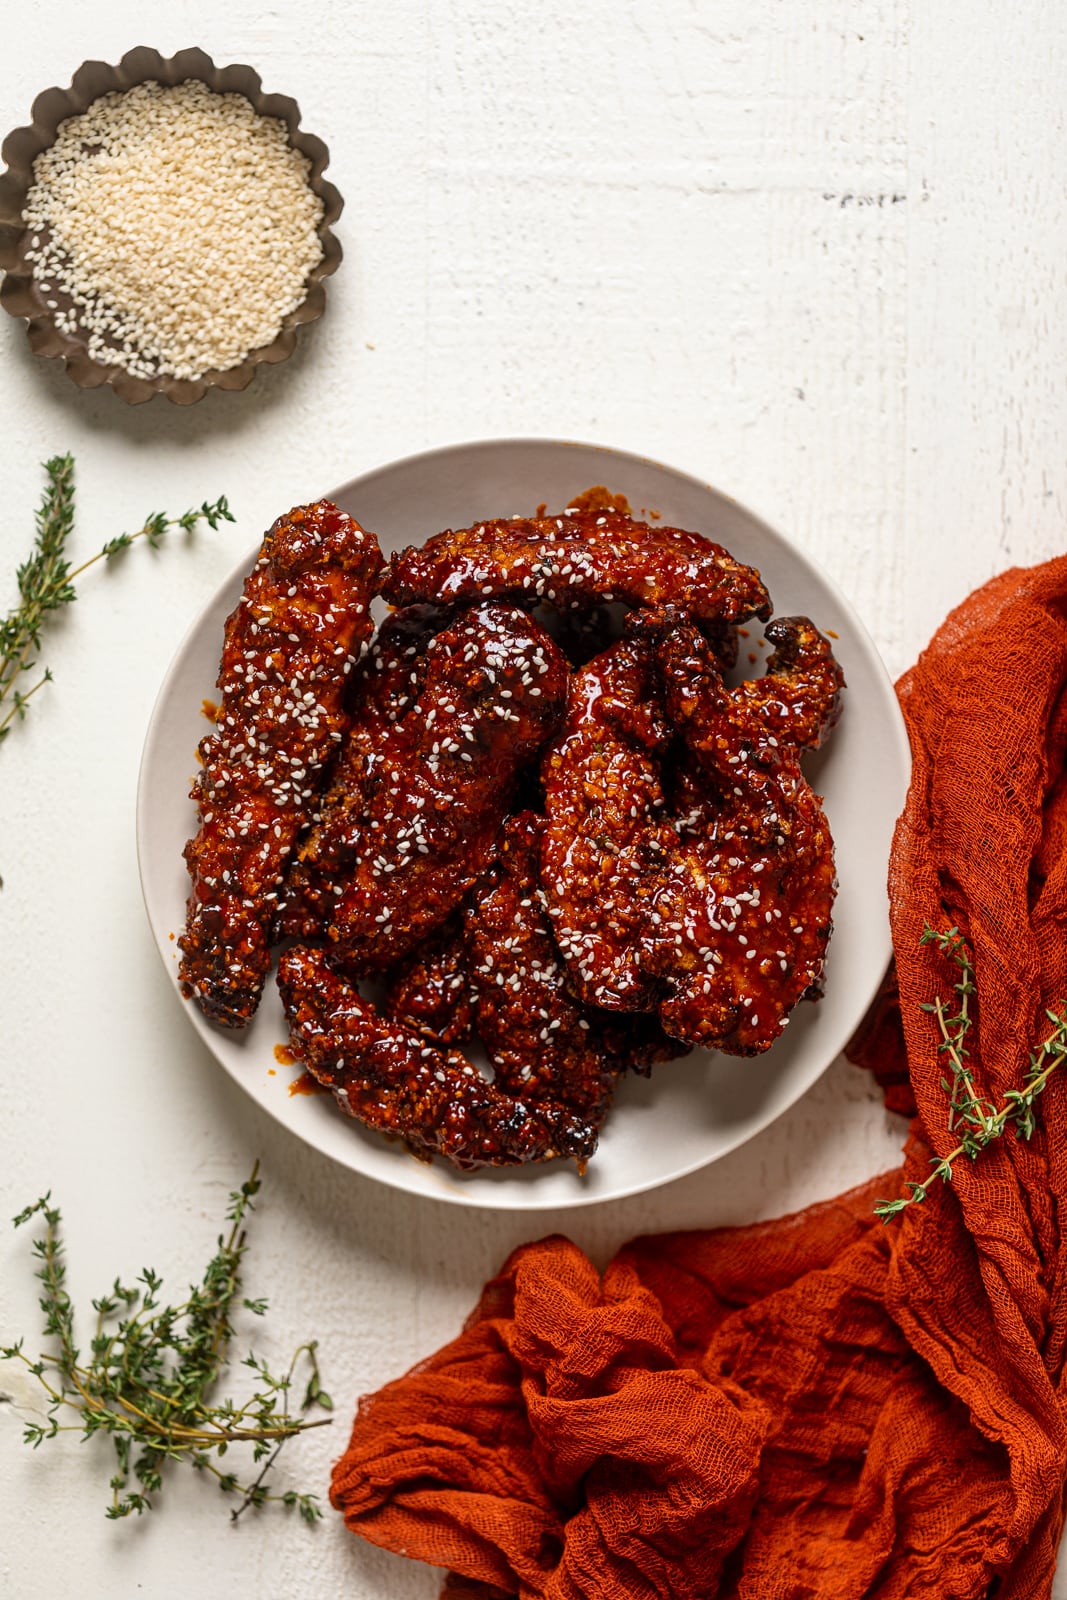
(289, 647)
(535, 815)
(391, 1079)
(394, 855)
(605, 841)
(578, 559)
(742, 915)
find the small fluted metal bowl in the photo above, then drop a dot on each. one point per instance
(21, 296)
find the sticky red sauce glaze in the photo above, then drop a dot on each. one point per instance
(430, 990)
(543, 1043)
(598, 497)
(797, 701)
(743, 913)
(798, 696)
(307, 1083)
(383, 805)
(384, 687)
(606, 839)
(289, 647)
(573, 560)
(395, 858)
(394, 1081)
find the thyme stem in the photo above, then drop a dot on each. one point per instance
(45, 580)
(980, 1120)
(149, 1379)
(953, 1045)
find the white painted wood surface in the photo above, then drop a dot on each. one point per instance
(813, 253)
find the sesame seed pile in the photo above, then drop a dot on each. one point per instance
(173, 229)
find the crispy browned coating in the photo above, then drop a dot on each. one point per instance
(387, 683)
(289, 646)
(691, 800)
(383, 689)
(392, 858)
(575, 560)
(542, 1042)
(605, 842)
(429, 991)
(392, 1079)
(677, 890)
(798, 697)
(744, 910)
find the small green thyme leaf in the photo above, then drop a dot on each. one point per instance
(45, 579)
(974, 1117)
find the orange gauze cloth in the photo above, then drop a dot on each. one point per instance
(820, 1407)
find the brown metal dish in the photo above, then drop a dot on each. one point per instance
(20, 294)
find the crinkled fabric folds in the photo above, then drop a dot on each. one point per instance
(822, 1407)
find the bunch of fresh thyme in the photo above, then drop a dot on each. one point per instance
(46, 581)
(152, 1370)
(976, 1119)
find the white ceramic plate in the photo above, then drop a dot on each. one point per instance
(690, 1112)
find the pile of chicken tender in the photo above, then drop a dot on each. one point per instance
(530, 810)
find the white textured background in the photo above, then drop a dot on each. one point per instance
(812, 253)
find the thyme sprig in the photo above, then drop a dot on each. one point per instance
(977, 1120)
(46, 580)
(152, 1369)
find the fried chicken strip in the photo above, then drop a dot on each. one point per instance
(542, 1042)
(392, 1080)
(798, 696)
(289, 647)
(392, 859)
(605, 842)
(384, 687)
(743, 913)
(576, 560)
(429, 991)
